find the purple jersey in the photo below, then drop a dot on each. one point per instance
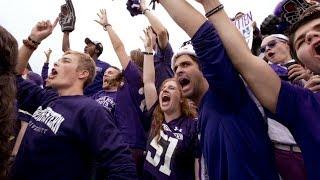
(106, 99)
(65, 136)
(162, 64)
(96, 85)
(44, 73)
(173, 155)
(234, 138)
(298, 109)
(130, 104)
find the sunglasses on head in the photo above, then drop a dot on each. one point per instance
(270, 44)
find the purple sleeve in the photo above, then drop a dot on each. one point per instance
(44, 73)
(164, 55)
(133, 75)
(216, 65)
(114, 160)
(31, 96)
(298, 109)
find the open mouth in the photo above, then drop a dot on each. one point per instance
(165, 98)
(271, 54)
(317, 48)
(53, 73)
(184, 82)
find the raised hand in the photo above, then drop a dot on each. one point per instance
(48, 53)
(313, 84)
(147, 40)
(143, 5)
(297, 72)
(42, 30)
(103, 19)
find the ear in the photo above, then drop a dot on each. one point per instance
(83, 74)
(96, 51)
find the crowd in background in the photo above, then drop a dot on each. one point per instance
(213, 109)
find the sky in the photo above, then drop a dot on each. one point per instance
(19, 16)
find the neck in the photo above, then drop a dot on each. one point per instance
(169, 116)
(112, 89)
(204, 86)
(94, 57)
(73, 91)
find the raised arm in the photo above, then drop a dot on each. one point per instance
(38, 33)
(65, 42)
(115, 40)
(263, 81)
(150, 90)
(45, 67)
(177, 9)
(157, 26)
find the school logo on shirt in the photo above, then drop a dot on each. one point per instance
(98, 69)
(106, 102)
(50, 118)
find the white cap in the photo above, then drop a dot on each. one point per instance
(185, 50)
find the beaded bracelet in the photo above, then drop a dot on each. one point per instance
(29, 44)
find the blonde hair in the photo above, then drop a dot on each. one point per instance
(85, 63)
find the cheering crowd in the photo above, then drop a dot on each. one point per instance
(213, 109)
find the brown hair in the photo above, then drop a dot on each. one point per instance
(85, 63)
(8, 57)
(187, 110)
(137, 57)
(310, 14)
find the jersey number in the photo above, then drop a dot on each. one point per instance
(165, 168)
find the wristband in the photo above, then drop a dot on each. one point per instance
(147, 53)
(214, 10)
(106, 26)
(33, 41)
(145, 10)
(30, 45)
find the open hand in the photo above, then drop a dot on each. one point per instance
(103, 19)
(147, 40)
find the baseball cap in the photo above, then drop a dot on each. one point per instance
(96, 43)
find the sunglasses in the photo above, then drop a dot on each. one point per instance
(270, 44)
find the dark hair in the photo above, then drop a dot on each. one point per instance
(8, 57)
(310, 14)
(187, 110)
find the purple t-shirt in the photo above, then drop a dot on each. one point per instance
(106, 99)
(65, 136)
(234, 138)
(162, 64)
(298, 109)
(173, 156)
(44, 73)
(96, 85)
(130, 104)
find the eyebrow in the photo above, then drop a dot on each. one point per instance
(303, 36)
